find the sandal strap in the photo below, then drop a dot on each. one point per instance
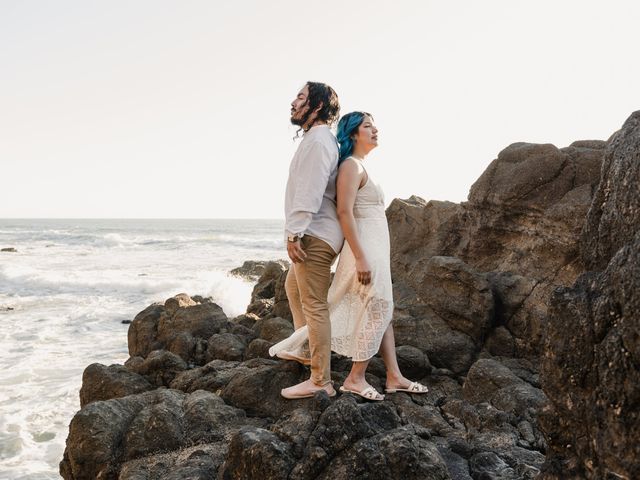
(417, 387)
(370, 393)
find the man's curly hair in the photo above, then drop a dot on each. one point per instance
(322, 94)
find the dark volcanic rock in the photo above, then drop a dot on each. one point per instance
(181, 326)
(460, 295)
(225, 346)
(160, 367)
(253, 270)
(273, 329)
(257, 453)
(100, 382)
(281, 302)
(590, 365)
(402, 453)
(471, 290)
(104, 434)
(445, 347)
(523, 218)
(614, 216)
(256, 387)
(266, 286)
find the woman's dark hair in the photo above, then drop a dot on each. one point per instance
(322, 94)
(347, 127)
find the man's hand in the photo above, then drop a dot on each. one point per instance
(295, 251)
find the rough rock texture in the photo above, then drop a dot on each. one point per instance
(180, 326)
(591, 358)
(523, 220)
(226, 419)
(472, 284)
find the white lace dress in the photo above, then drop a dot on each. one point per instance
(359, 314)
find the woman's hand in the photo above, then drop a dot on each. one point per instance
(364, 271)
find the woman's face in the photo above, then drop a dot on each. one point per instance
(367, 135)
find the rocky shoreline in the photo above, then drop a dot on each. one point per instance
(518, 309)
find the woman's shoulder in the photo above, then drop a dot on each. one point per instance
(352, 163)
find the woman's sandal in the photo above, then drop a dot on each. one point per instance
(368, 393)
(414, 387)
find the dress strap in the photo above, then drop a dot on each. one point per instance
(365, 171)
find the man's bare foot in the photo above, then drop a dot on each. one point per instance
(306, 389)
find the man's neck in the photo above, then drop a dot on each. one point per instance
(315, 123)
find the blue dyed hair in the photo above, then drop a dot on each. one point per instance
(347, 126)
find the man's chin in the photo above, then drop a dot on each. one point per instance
(296, 121)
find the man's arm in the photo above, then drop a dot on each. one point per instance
(312, 177)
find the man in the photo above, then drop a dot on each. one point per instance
(313, 232)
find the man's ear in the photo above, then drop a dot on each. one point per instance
(319, 107)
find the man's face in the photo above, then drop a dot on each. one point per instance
(300, 107)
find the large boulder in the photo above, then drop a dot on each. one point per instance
(105, 434)
(100, 382)
(182, 326)
(589, 368)
(523, 218)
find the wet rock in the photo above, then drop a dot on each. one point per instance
(281, 303)
(265, 288)
(253, 270)
(9, 250)
(181, 300)
(261, 307)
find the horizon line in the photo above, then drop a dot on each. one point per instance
(138, 218)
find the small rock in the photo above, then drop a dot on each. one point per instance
(9, 250)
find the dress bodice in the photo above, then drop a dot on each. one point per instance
(369, 201)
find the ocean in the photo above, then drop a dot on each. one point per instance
(65, 292)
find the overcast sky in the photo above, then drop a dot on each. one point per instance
(181, 109)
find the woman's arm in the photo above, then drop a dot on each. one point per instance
(350, 177)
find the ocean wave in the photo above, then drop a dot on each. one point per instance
(26, 284)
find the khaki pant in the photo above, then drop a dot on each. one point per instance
(307, 286)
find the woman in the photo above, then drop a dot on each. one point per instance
(361, 297)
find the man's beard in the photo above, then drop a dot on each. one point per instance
(300, 121)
